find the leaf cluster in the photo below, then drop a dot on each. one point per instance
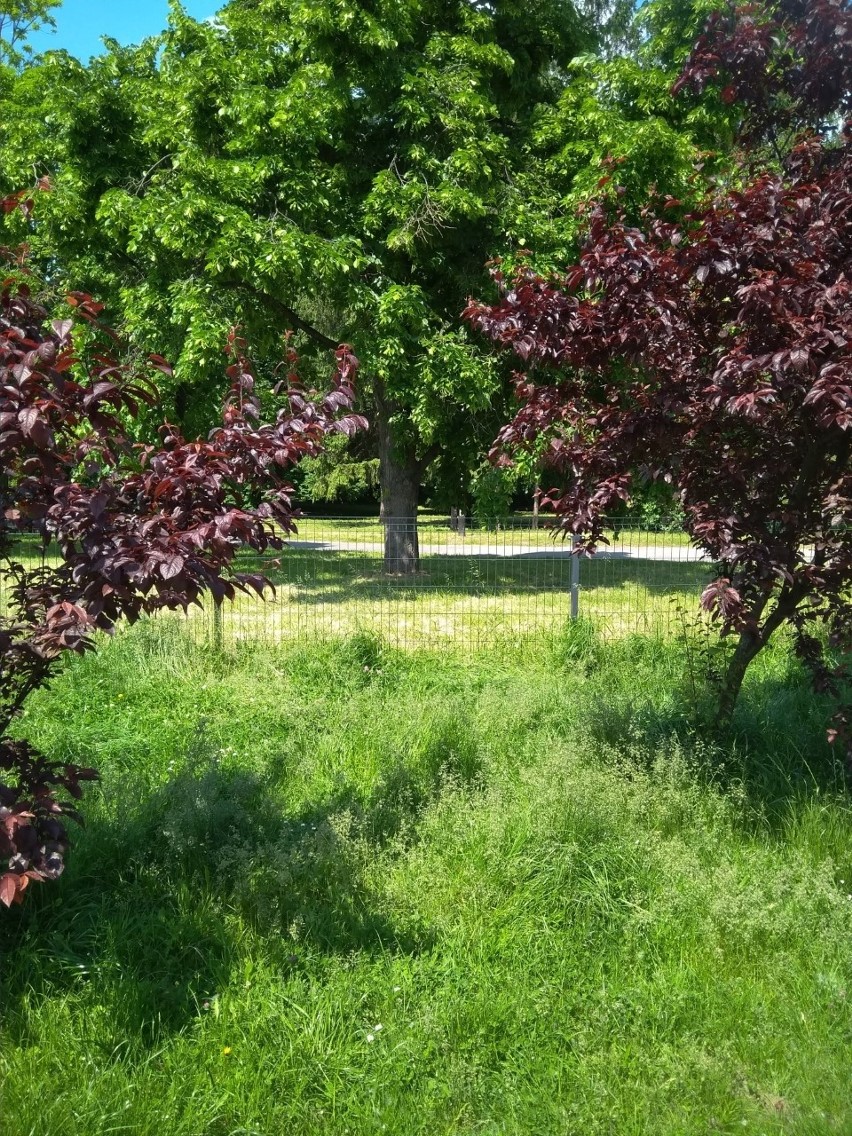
(786, 65)
(711, 350)
(140, 528)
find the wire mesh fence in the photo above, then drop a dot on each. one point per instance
(450, 581)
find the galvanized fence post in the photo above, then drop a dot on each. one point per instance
(575, 579)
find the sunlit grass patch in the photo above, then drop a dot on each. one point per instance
(330, 887)
(517, 529)
(469, 602)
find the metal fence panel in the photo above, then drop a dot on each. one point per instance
(474, 584)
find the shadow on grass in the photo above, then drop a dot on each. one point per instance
(329, 577)
(161, 896)
(774, 752)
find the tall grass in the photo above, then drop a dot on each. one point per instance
(339, 889)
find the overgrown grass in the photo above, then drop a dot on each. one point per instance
(339, 889)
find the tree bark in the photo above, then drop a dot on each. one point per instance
(399, 482)
(749, 646)
(751, 643)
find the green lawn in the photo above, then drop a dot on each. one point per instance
(469, 600)
(330, 889)
(433, 529)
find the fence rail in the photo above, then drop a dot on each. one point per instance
(469, 585)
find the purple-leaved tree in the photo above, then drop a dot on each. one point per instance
(714, 351)
(139, 528)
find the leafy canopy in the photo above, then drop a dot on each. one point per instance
(712, 351)
(18, 20)
(139, 528)
(343, 168)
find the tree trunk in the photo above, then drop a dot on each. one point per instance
(751, 643)
(399, 481)
(536, 502)
(749, 646)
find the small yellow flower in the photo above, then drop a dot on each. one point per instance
(226, 1051)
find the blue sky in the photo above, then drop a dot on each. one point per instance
(81, 23)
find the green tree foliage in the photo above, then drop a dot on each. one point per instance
(324, 166)
(338, 475)
(18, 19)
(345, 169)
(616, 114)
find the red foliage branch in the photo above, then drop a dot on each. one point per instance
(716, 353)
(788, 63)
(139, 528)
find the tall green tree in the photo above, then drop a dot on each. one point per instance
(342, 167)
(346, 168)
(18, 20)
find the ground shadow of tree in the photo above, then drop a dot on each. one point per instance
(324, 576)
(164, 890)
(774, 752)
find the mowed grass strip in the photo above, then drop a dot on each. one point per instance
(514, 530)
(456, 601)
(470, 600)
(340, 889)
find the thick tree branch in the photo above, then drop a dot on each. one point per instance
(294, 319)
(427, 457)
